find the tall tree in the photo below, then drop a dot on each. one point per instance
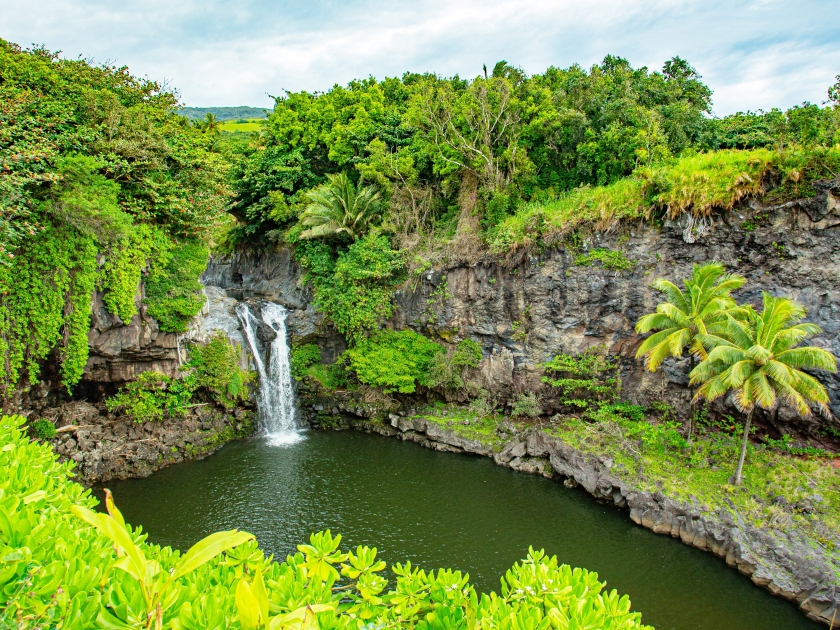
(759, 360)
(338, 207)
(703, 307)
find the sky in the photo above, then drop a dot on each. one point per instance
(752, 53)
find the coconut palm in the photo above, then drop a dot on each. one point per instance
(211, 124)
(684, 315)
(338, 207)
(759, 360)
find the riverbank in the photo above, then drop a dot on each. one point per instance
(788, 547)
(106, 447)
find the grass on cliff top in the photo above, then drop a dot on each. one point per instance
(698, 184)
(779, 489)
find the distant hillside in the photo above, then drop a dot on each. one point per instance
(224, 113)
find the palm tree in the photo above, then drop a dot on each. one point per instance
(337, 207)
(759, 360)
(684, 315)
(211, 124)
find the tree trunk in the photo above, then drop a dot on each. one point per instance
(740, 468)
(692, 410)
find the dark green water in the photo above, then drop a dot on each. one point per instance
(442, 510)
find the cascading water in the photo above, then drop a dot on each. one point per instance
(275, 401)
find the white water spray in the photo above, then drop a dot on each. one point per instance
(276, 402)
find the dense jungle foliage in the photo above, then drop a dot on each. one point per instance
(440, 169)
(103, 183)
(100, 182)
(445, 151)
(110, 577)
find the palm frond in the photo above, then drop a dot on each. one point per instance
(674, 295)
(653, 321)
(808, 357)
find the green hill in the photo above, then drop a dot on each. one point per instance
(224, 113)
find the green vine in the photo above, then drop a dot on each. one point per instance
(173, 293)
(123, 269)
(46, 303)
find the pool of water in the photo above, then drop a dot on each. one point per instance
(442, 510)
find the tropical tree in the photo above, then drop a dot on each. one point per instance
(211, 124)
(759, 360)
(338, 207)
(700, 309)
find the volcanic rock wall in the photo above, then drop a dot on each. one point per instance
(525, 308)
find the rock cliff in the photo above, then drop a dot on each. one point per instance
(527, 307)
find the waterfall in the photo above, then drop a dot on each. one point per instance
(275, 401)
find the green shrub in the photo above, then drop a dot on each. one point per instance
(467, 354)
(173, 293)
(111, 577)
(43, 429)
(394, 360)
(624, 410)
(152, 396)
(217, 370)
(304, 357)
(526, 406)
(482, 405)
(353, 286)
(584, 378)
(448, 369)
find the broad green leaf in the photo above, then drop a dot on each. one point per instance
(207, 549)
(247, 606)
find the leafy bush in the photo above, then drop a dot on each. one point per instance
(394, 360)
(217, 370)
(304, 357)
(585, 378)
(152, 396)
(526, 406)
(353, 286)
(468, 354)
(448, 369)
(43, 429)
(173, 293)
(110, 576)
(625, 410)
(482, 405)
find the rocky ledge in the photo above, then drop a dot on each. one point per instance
(105, 447)
(787, 563)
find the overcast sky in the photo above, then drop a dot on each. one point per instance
(752, 53)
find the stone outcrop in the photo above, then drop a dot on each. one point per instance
(105, 447)
(120, 351)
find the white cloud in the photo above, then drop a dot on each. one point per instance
(760, 53)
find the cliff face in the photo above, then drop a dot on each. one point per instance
(523, 312)
(119, 351)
